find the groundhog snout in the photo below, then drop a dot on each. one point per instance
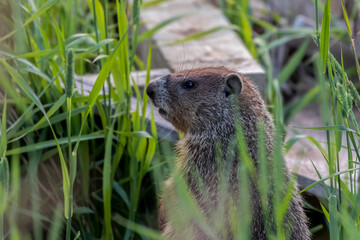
(150, 91)
(157, 92)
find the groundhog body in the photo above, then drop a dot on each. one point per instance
(200, 104)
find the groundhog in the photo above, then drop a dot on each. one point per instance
(205, 105)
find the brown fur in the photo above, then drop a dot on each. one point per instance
(207, 116)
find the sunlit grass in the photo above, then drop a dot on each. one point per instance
(52, 51)
(108, 176)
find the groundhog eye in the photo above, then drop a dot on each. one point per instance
(189, 84)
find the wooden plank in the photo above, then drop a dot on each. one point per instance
(221, 48)
(165, 130)
(87, 81)
(303, 152)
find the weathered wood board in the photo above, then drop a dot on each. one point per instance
(165, 130)
(220, 48)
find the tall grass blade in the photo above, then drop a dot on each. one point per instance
(60, 38)
(4, 169)
(100, 80)
(56, 226)
(147, 34)
(135, 18)
(326, 178)
(44, 8)
(246, 30)
(348, 27)
(147, 80)
(100, 19)
(317, 21)
(290, 142)
(41, 122)
(3, 138)
(295, 107)
(4, 190)
(23, 85)
(85, 52)
(202, 34)
(30, 93)
(142, 230)
(69, 86)
(293, 63)
(326, 213)
(121, 192)
(139, 134)
(15, 136)
(334, 220)
(107, 185)
(354, 94)
(333, 128)
(325, 35)
(53, 143)
(102, 115)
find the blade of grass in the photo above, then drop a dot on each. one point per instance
(290, 142)
(142, 230)
(264, 172)
(30, 94)
(326, 188)
(348, 27)
(332, 128)
(326, 178)
(53, 143)
(85, 52)
(334, 220)
(326, 213)
(4, 190)
(3, 138)
(99, 84)
(135, 19)
(4, 169)
(148, 34)
(293, 63)
(325, 35)
(69, 86)
(44, 8)
(202, 34)
(187, 201)
(60, 38)
(100, 19)
(56, 226)
(107, 185)
(246, 29)
(51, 111)
(14, 136)
(139, 134)
(102, 115)
(121, 192)
(295, 107)
(147, 80)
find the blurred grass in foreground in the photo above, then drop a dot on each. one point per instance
(86, 168)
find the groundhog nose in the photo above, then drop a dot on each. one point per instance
(150, 91)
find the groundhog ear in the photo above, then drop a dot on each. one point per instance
(233, 84)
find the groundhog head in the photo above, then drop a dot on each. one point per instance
(198, 99)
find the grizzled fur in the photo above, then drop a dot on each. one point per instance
(199, 103)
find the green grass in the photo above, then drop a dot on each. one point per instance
(84, 166)
(120, 152)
